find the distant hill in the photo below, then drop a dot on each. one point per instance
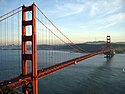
(101, 42)
(97, 46)
(88, 46)
(95, 42)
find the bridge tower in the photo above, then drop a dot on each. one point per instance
(108, 46)
(29, 88)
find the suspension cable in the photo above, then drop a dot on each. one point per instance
(60, 30)
(10, 15)
(55, 34)
(10, 12)
(42, 23)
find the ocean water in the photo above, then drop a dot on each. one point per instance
(93, 76)
(96, 75)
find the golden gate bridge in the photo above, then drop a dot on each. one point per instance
(38, 32)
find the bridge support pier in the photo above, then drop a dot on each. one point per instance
(27, 89)
(30, 88)
(108, 47)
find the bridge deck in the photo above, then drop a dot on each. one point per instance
(22, 80)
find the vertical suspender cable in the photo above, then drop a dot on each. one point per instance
(14, 52)
(49, 45)
(7, 39)
(46, 43)
(5, 45)
(42, 44)
(11, 21)
(19, 44)
(1, 44)
(53, 48)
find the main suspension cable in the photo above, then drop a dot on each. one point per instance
(60, 31)
(10, 15)
(10, 12)
(55, 34)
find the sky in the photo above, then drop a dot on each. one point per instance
(80, 20)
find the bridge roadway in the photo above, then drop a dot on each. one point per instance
(22, 80)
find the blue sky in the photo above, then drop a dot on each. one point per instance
(80, 20)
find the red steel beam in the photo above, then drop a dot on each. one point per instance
(18, 81)
(33, 56)
(62, 65)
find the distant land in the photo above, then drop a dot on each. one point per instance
(88, 46)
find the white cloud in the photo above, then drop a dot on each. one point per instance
(91, 7)
(99, 14)
(111, 20)
(105, 26)
(105, 7)
(94, 9)
(116, 18)
(63, 9)
(70, 9)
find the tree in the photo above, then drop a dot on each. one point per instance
(8, 90)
